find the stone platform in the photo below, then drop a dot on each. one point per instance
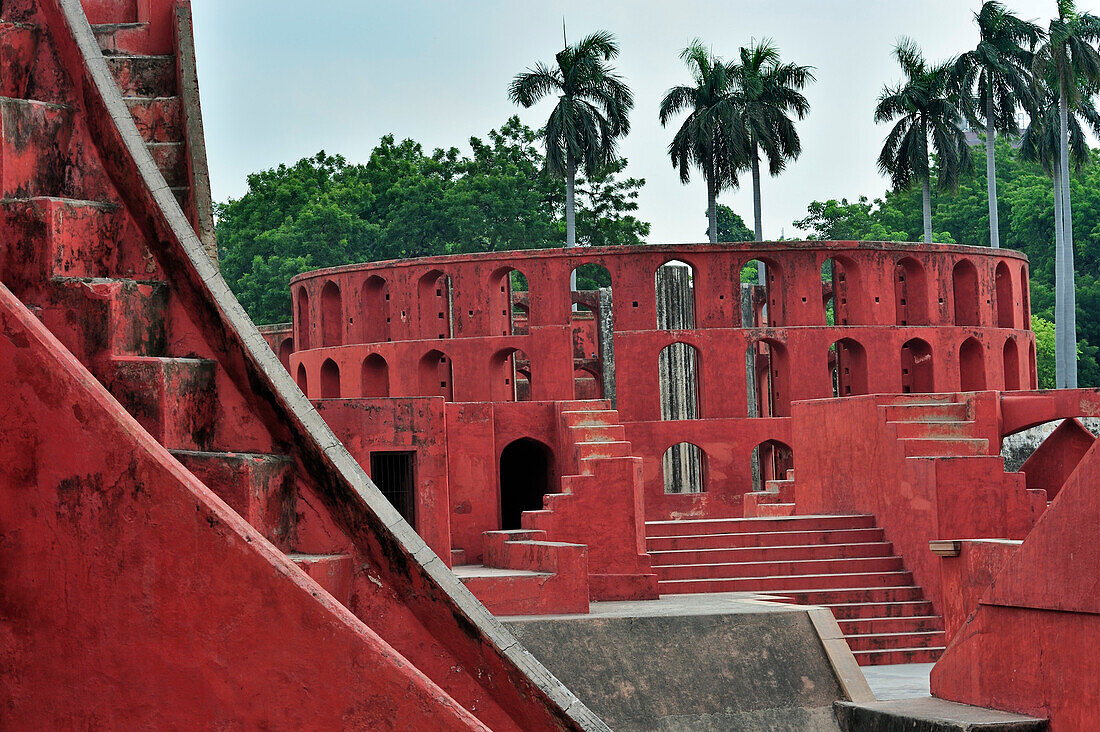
(727, 661)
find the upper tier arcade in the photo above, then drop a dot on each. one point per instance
(834, 319)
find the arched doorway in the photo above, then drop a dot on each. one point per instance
(771, 460)
(374, 377)
(910, 293)
(526, 471)
(303, 319)
(964, 288)
(1005, 297)
(332, 316)
(330, 380)
(917, 372)
(375, 310)
(1011, 360)
(971, 366)
(848, 367)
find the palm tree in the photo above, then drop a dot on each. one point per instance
(592, 112)
(1041, 143)
(769, 90)
(995, 80)
(929, 116)
(1070, 58)
(711, 137)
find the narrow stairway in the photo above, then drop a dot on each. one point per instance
(843, 563)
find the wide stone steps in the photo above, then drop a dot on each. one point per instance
(143, 76)
(840, 562)
(765, 538)
(796, 553)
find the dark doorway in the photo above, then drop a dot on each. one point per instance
(524, 480)
(393, 473)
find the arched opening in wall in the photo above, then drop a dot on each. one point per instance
(678, 373)
(436, 375)
(510, 376)
(587, 383)
(771, 460)
(592, 316)
(332, 316)
(303, 381)
(839, 288)
(910, 293)
(964, 288)
(433, 292)
(1011, 360)
(374, 377)
(971, 365)
(769, 390)
(526, 472)
(684, 467)
(509, 301)
(374, 312)
(1005, 304)
(761, 305)
(330, 380)
(848, 367)
(675, 295)
(917, 368)
(285, 349)
(1033, 372)
(303, 322)
(1025, 284)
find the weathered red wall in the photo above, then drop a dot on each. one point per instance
(1031, 645)
(131, 587)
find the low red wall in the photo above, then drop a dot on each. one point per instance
(113, 615)
(1030, 647)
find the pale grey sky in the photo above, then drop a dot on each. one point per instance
(281, 80)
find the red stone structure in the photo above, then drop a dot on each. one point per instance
(185, 543)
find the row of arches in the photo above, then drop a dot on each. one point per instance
(843, 299)
(847, 364)
(684, 466)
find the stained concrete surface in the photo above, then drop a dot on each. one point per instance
(727, 661)
(901, 681)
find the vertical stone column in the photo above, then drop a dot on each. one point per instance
(748, 292)
(679, 376)
(606, 326)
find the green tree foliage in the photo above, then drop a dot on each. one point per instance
(731, 227)
(962, 216)
(403, 202)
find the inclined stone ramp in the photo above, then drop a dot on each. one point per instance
(97, 247)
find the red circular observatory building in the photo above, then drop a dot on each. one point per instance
(489, 388)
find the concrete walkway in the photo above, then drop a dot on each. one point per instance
(903, 681)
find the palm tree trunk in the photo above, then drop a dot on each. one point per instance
(1059, 281)
(991, 168)
(1069, 304)
(712, 213)
(762, 275)
(926, 196)
(571, 214)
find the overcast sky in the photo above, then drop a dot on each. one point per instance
(281, 80)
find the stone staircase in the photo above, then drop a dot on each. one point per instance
(843, 563)
(89, 247)
(777, 499)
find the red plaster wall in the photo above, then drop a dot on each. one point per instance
(1042, 611)
(133, 597)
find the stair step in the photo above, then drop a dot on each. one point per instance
(158, 119)
(765, 538)
(930, 428)
(891, 641)
(776, 568)
(144, 76)
(18, 45)
(872, 626)
(851, 595)
(27, 167)
(332, 571)
(116, 317)
(122, 39)
(791, 524)
(174, 399)
(774, 510)
(894, 656)
(927, 412)
(790, 585)
(929, 714)
(170, 160)
(772, 554)
(845, 609)
(591, 418)
(110, 11)
(259, 487)
(944, 446)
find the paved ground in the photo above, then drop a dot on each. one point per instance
(903, 681)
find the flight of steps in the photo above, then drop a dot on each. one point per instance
(82, 267)
(777, 498)
(935, 425)
(843, 563)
